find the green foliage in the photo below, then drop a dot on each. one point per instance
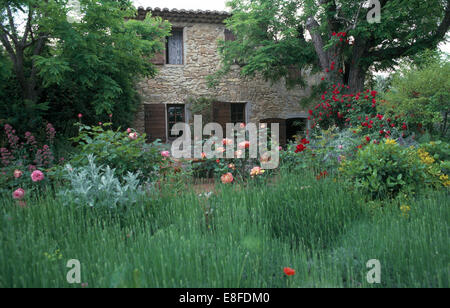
(118, 150)
(284, 38)
(255, 232)
(23, 155)
(99, 187)
(324, 152)
(89, 66)
(384, 170)
(440, 150)
(421, 95)
(265, 44)
(202, 106)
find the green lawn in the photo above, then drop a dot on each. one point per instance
(318, 228)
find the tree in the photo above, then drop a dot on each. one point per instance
(420, 94)
(62, 67)
(278, 38)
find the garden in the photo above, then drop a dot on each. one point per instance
(367, 189)
(368, 180)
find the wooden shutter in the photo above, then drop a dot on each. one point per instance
(159, 58)
(282, 123)
(155, 122)
(175, 47)
(229, 36)
(222, 114)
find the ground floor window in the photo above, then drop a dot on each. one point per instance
(237, 113)
(175, 114)
(295, 127)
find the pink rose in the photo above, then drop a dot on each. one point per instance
(129, 130)
(17, 173)
(227, 178)
(80, 116)
(37, 176)
(165, 154)
(133, 136)
(18, 194)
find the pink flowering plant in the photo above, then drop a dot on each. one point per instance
(25, 161)
(240, 167)
(123, 150)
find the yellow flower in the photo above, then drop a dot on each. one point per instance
(405, 210)
(256, 171)
(444, 180)
(425, 157)
(391, 141)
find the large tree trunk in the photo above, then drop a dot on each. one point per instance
(356, 79)
(356, 70)
(16, 47)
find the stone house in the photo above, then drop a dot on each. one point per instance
(190, 56)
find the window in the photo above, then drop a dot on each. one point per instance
(174, 47)
(237, 113)
(175, 114)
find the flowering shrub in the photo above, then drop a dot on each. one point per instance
(421, 96)
(440, 151)
(324, 150)
(433, 168)
(23, 161)
(125, 151)
(384, 170)
(99, 187)
(27, 152)
(241, 167)
(358, 111)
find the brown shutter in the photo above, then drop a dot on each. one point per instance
(229, 36)
(155, 122)
(160, 57)
(282, 123)
(222, 114)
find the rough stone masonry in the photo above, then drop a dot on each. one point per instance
(176, 83)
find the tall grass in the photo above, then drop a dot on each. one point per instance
(324, 232)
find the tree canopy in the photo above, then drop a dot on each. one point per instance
(420, 93)
(341, 38)
(54, 67)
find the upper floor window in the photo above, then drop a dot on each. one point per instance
(174, 47)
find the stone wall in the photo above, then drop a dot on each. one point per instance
(176, 83)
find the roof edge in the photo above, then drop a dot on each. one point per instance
(182, 15)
